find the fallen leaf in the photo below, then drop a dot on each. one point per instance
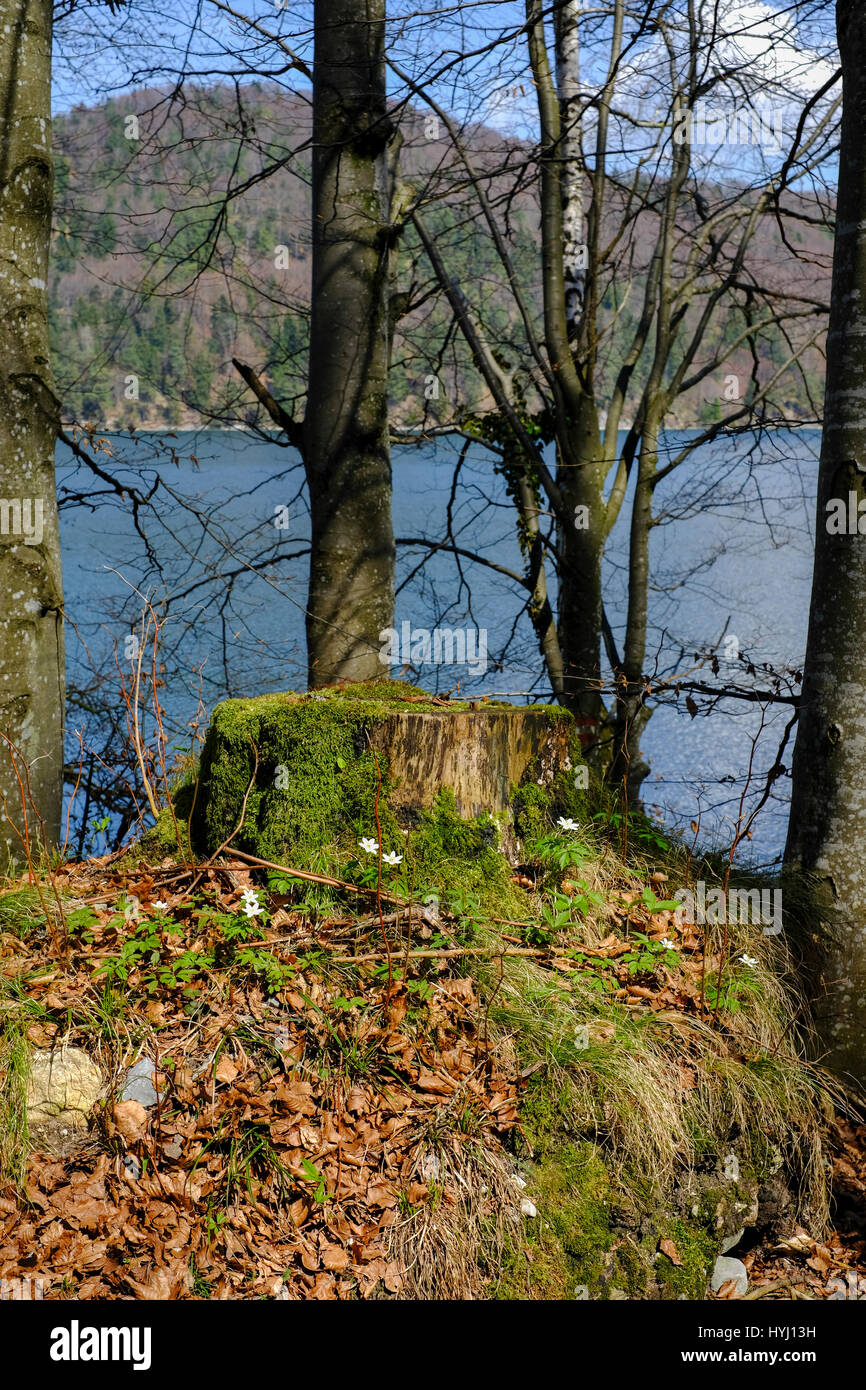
(130, 1119)
(226, 1071)
(668, 1248)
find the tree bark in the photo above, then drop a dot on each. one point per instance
(628, 768)
(346, 440)
(580, 471)
(574, 248)
(32, 687)
(828, 810)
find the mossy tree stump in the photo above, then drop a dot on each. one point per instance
(459, 778)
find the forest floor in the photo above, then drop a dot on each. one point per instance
(320, 1131)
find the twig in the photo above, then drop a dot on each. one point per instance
(446, 951)
(313, 878)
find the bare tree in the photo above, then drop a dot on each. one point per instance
(596, 380)
(32, 689)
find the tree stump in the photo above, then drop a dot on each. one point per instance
(310, 767)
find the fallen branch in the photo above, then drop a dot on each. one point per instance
(312, 878)
(448, 951)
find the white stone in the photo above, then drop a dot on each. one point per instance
(727, 1268)
(730, 1241)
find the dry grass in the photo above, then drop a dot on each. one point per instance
(13, 1106)
(475, 1199)
(660, 1091)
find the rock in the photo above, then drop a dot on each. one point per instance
(62, 1088)
(528, 1208)
(775, 1206)
(726, 1268)
(730, 1241)
(140, 1083)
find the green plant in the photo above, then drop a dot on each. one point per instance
(201, 1288)
(321, 1193)
(276, 973)
(560, 851)
(649, 900)
(640, 829)
(649, 955)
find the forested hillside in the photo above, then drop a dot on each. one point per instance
(182, 240)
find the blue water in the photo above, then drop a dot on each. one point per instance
(733, 555)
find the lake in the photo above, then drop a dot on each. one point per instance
(224, 537)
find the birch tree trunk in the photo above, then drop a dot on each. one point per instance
(827, 829)
(346, 440)
(568, 83)
(580, 469)
(32, 687)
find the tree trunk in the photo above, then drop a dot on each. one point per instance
(580, 475)
(628, 769)
(568, 84)
(346, 441)
(828, 810)
(32, 688)
(581, 543)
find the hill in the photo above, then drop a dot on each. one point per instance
(182, 239)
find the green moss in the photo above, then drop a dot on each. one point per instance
(544, 1116)
(563, 1248)
(449, 852)
(540, 800)
(594, 1232)
(163, 836)
(313, 795)
(575, 1247)
(696, 1247)
(315, 783)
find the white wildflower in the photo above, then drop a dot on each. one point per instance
(250, 902)
(392, 858)
(369, 846)
(748, 960)
(565, 823)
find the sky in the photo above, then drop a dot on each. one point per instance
(100, 52)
